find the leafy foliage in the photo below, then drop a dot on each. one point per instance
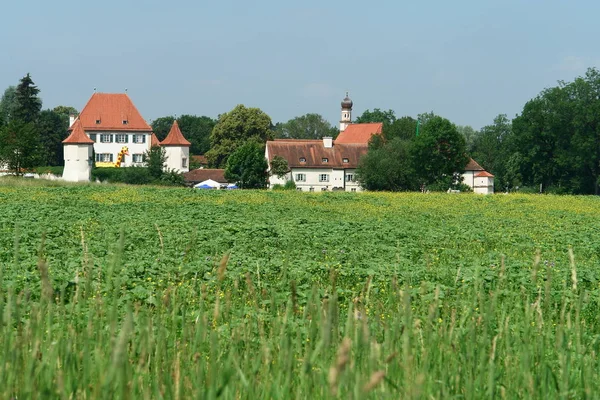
(155, 160)
(195, 129)
(235, 128)
(308, 126)
(279, 167)
(19, 146)
(248, 167)
(28, 104)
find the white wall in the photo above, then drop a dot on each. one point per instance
(469, 178)
(78, 166)
(114, 148)
(337, 179)
(175, 155)
(484, 185)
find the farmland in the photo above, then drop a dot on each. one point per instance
(141, 292)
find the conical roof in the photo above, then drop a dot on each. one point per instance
(175, 137)
(77, 135)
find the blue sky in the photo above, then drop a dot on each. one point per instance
(466, 60)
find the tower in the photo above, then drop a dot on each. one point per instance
(78, 155)
(177, 150)
(346, 113)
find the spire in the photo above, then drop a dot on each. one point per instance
(175, 137)
(78, 135)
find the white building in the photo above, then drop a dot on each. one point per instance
(78, 155)
(177, 150)
(327, 164)
(111, 125)
(477, 178)
(112, 122)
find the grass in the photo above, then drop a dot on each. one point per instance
(123, 292)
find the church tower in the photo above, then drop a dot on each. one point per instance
(346, 113)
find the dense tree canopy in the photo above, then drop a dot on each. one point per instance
(28, 104)
(309, 126)
(247, 166)
(235, 128)
(388, 167)
(8, 104)
(19, 146)
(52, 129)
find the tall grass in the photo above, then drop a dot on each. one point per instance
(497, 336)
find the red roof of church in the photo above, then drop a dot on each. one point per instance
(77, 135)
(359, 133)
(175, 137)
(112, 111)
(313, 154)
(484, 174)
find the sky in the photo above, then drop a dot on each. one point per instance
(466, 60)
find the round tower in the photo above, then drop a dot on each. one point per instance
(78, 149)
(346, 113)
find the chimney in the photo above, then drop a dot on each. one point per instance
(328, 142)
(71, 120)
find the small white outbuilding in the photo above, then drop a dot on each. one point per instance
(78, 150)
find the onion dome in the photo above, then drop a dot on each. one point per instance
(347, 103)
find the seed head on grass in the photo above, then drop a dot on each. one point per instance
(374, 381)
(343, 356)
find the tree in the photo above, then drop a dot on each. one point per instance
(19, 146)
(155, 160)
(248, 166)
(235, 128)
(377, 115)
(65, 112)
(28, 103)
(309, 126)
(439, 151)
(469, 134)
(195, 129)
(8, 104)
(490, 150)
(52, 130)
(279, 167)
(388, 167)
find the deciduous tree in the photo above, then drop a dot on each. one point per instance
(248, 166)
(309, 126)
(19, 146)
(235, 128)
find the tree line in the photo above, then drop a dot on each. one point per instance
(553, 145)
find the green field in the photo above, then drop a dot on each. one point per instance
(140, 292)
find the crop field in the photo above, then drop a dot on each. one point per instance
(141, 292)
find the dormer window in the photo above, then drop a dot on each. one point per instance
(324, 160)
(345, 160)
(125, 122)
(97, 122)
(302, 159)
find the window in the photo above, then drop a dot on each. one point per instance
(349, 177)
(345, 160)
(184, 162)
(302, 159)
(93, 137)
(124, 122)
(323, 189)
(298, 189)
(121, 138)
(139, 138)
(324, 178)
(311, 189)
(353, 190)
(106, 138)
(325, 160)
(137, 158)
(104, 157)
(97, 122)
(300, 177)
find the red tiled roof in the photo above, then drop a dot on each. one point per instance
(484, 174)
(154, 140)
(77, 135)
(202, 174)
(110, 110)
(175, 137)
(359, 133)
(473, 166)
(313, 152)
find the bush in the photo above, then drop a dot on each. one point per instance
(290, 185)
